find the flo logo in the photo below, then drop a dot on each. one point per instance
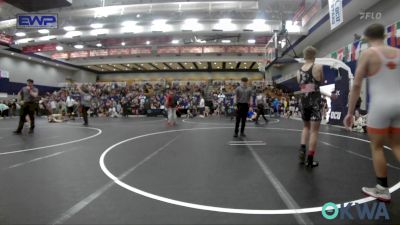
(374, 211)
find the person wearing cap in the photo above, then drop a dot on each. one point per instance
(28, 95)
(243, 95)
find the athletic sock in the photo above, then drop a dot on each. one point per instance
(311, 153)
(382, 181)
(302, 153)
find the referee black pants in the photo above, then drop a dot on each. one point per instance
(28, 108)
(241, 115)
(85, 114)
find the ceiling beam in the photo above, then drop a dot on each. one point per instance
(251, 67)
(155, 67)
(166, 65)
(162, 59)
(195, 66)
(238, 65)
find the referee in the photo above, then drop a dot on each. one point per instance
(243, 95)
(28, 96)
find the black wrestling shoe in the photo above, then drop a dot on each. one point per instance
(235, 135)
(30, 131)
(17, 132)
(310, 163)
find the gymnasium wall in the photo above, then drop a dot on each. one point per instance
(46, 77)
(82, 76)
(169, 76)
(20, 70)
(342, 36)
(389, 10)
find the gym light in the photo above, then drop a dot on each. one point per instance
(192, 24)
(69, 28)
(291, 27)
(99, 32)
(96, 25)
(132, 29)
(128, 23)
(44, 31)
(175, 41)
(226, 41)
(59, 48)
(20, 34)
(46, 38)
(71, 34)
(251, 41)
(99, 45)
(225, 25)
(159, 22)
(258, 21)
(23, 41)
(78, 46)
(225, 21)
(258, 25)
(147, 42)
(123, 43)
(160, 25)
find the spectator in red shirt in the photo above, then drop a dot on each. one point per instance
(171, 107)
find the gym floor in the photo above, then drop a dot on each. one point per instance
(139, 171)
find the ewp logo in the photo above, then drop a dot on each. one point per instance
(37, 21)
(331, 211)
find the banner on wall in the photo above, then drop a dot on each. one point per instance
(168, 50)
(339, 105)
(335, 13)
(213, 49)
(79, 54)
(60, 55)
(40, 48)
(5, 38)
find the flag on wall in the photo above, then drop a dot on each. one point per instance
(340, 54)
(347, 53)
(393, 35)
(334, 55)
(352, 51)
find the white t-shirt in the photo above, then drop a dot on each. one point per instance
(53, 104)
(201, 104)
(70, 102)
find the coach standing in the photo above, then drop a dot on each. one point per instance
(243, 95)
(28, 96)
